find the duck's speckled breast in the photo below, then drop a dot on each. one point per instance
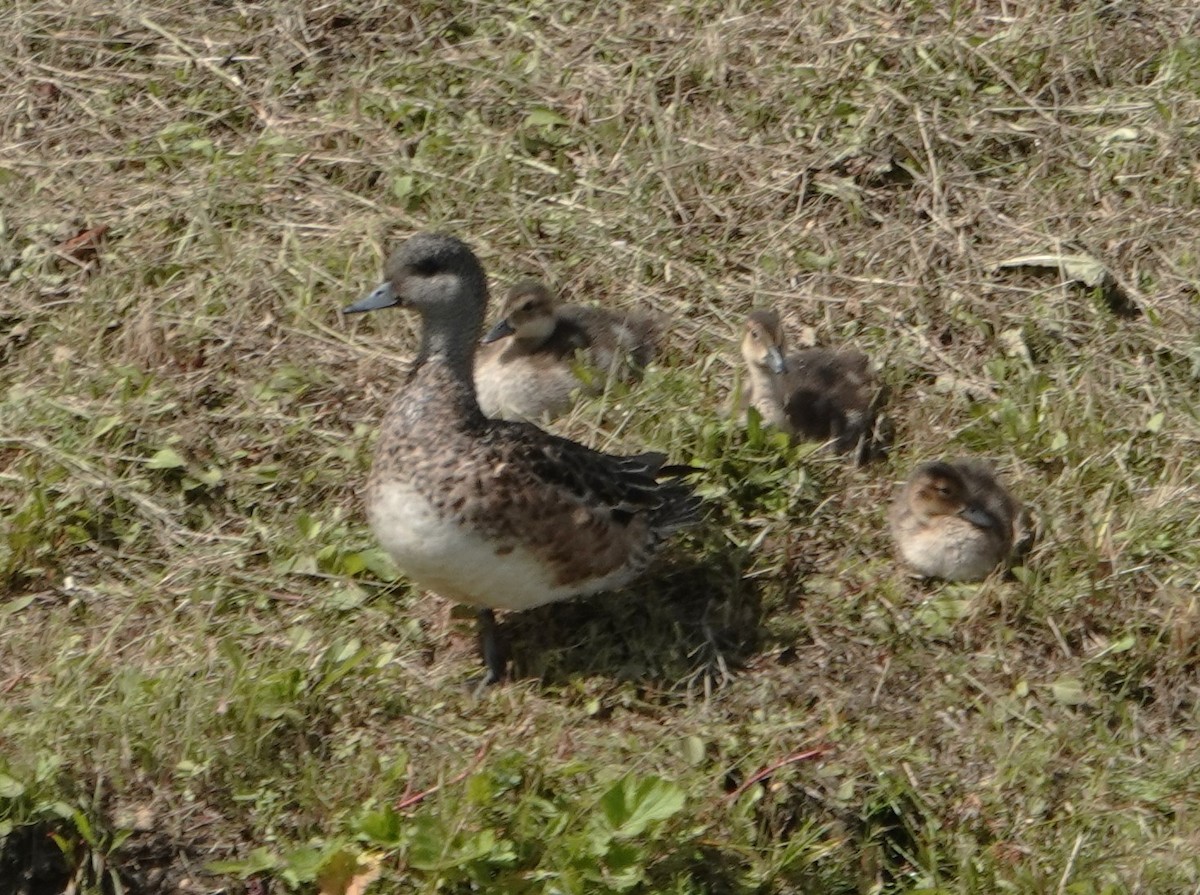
(448, 556)
(454, 498)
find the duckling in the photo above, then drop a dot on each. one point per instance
(493, 513)
(813, 394)
(526, 368)
(954, 520)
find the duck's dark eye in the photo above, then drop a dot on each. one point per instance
(425, 267)
(754, 335)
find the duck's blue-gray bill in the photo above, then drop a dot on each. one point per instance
(382, 296)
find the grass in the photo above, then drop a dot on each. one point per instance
(211, 677)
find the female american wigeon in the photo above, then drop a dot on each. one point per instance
(813, 394)
(954, 520)
(493, 513)
(528, 365)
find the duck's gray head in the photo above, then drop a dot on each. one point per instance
(436, 275)
(762, 341)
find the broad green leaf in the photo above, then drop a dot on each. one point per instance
(1122, 644)
(209, 476)
(351, 564)
(633, 805)
(693, 750)
(106, 424)
(379, 564)
(381, 827)
(434, 848)
(307, 526)
(167, 458)
(258, 861)
(1084, 268)
(16, 605)
(346, 873)
(301, 865)
(347, 598)
(754, 427)
(10, 788)
(545, 118)
(402, 186)
(1068, 691)
(481, 789)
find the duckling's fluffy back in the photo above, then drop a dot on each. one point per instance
(829, 392)
(615, 338)
(823, 394)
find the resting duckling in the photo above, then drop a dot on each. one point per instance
(954, 520)
(527, 365)
(498, 514)
(813, 394)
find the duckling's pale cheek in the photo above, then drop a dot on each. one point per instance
(537, 329)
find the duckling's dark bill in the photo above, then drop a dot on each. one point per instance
(775, 360)
(382, 296)
(979, 516)
(499, 331)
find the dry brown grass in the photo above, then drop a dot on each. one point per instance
(199, 637)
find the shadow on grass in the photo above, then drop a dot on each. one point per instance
(687, 622)
(31, 863)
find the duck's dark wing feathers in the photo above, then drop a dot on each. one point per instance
(638, 485)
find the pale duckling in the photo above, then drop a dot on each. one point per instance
(954, 520)
(527, 367)
(498, 514)
(812, 394)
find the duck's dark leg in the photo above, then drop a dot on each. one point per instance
(493, 655)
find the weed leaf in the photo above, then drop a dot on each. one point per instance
(345, 873)
(10, 788)
(1083, 268)
(166, 458)
(633, 805)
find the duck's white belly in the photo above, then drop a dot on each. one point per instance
(460, 564)
(957, 552)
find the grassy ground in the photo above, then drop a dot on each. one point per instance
(203, 657)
